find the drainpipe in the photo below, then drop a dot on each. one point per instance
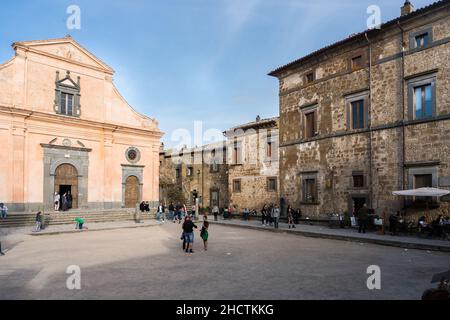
(203, 179)
(369, 122)
(403, 112)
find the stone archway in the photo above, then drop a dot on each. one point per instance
(132, 191)
(66, 180)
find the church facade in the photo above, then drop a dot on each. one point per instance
(64, 127)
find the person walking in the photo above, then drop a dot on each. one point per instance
(264, 215)
(291, 220)
(184, 211)
(363, 217)
(393, 223)
(56, 200)
(183, 237)
(204, 234)
(276, 216)
(163, 215)
(160, 212)
(38, 220)
(3, 211)
(188, 229)
(297, 216)
(171, 212)
(194, 212)
(1, 252)
(215, 212)
(179, 213)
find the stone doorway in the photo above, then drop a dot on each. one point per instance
(131, 192)
(66, 180)
(357, 201)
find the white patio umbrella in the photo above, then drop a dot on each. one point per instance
(422, 192)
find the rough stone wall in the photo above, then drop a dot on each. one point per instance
(203, 180)
(254, 171)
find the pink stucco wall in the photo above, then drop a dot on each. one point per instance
(107, 125)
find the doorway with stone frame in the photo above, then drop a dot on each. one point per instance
(357, 201)
(131, 192)
(66, 181)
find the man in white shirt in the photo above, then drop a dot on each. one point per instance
(56, 201)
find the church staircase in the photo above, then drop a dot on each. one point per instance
(68, 217)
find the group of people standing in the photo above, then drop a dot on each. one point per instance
(144, 206)
(270, 215)
(176, 213)
(63, 202)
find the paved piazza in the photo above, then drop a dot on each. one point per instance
(148, 263)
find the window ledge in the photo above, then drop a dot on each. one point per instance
(310, 203)
(358, 130)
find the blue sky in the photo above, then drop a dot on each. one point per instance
(186, 60)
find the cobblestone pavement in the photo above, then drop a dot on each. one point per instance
(148, 263)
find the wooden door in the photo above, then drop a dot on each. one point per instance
(131, 192)
(67, 175)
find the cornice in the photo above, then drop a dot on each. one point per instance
(54, 146)
(49, 55)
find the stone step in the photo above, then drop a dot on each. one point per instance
(25, 216)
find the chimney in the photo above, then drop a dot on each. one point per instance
(407, 8)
